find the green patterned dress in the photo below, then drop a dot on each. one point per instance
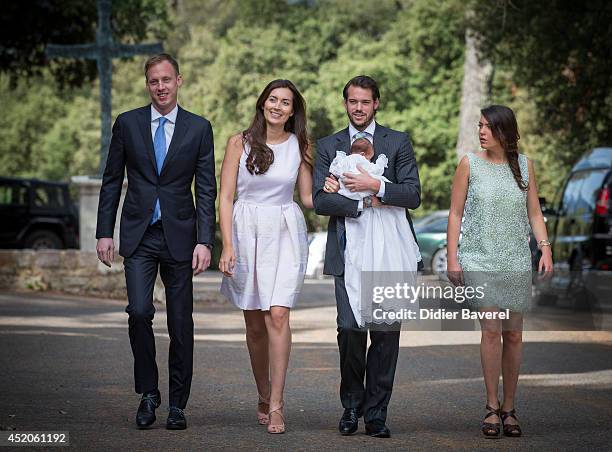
(494, 247)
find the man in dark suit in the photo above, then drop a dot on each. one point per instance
(361, 100)
(164, 148)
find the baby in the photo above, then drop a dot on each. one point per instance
(363, 147)
(380, 239)
(362, 151)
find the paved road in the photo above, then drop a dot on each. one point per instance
(66, 365)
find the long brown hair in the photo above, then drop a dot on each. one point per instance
(505, 130)
(260, 155)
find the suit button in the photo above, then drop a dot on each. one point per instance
(150, 210)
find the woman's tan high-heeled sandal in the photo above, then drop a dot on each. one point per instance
(276, 428)
(262, 416)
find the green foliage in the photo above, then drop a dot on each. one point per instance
(25, 30)
(33, 112)
(555, 54)
(319, 49)
(230, 49)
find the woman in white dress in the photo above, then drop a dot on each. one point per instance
(265, 245)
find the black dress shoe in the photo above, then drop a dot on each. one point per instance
(146, 410)
(176, 419)
(377, 430)
(349, 421)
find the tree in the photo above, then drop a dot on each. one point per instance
(559, 52)
(476, 75)
(413, 48)
(26, 29)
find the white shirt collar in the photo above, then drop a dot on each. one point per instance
(370, 129)
(155, 115)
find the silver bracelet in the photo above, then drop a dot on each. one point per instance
(543, 243)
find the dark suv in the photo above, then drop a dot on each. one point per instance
(580, 229)
(37, 214)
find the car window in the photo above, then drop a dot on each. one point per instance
(49, 197)
(13, 195)
(557, 199)
(571, 194)
(439, 225)
(429, 218)
(421, 222)
(589, 191)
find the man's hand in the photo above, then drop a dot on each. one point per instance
(361, 182)
(106, 250)
(376, 202)
(331, 184)
(201, 259)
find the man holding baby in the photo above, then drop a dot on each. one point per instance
(399, 187)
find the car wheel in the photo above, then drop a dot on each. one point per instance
(546, 299)
(438, 261)
(38, 240)
(584, 301)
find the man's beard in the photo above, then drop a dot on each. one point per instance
(368, 120)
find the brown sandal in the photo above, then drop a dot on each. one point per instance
(511, 430)
(491, 430)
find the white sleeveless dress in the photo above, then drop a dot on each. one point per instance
(269, 234)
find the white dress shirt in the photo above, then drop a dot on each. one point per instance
(168, 128)
(370, 129)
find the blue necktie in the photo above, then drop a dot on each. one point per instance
(359, 135)
(159, 144)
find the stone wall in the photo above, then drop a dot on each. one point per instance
(68, 271)
(76, 272)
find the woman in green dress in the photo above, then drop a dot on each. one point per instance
(495, 194)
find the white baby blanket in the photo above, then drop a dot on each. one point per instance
(379, 240)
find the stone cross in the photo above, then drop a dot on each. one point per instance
(103, 51)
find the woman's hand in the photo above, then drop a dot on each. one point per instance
(455, 273)
(331, 185)
(227, 261)
(545, 267)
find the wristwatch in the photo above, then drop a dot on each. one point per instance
(367, 202)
